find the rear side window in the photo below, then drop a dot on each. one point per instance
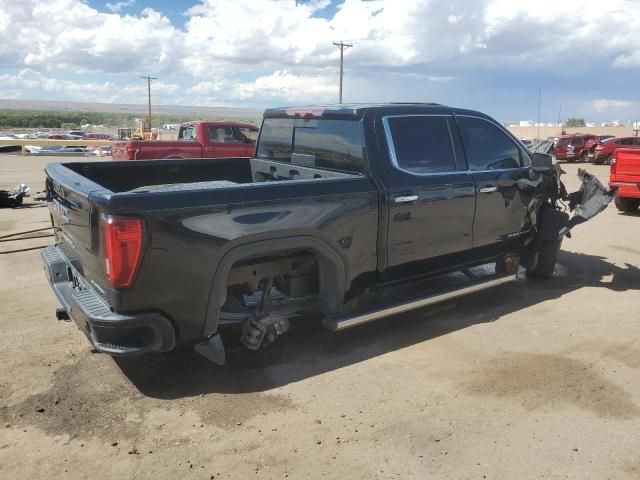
(488, 147)
(247, 135)
(332, 144)
(221, 135)
(421, 144)
(577, 141)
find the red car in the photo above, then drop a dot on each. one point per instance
(603, 153)
(56, 136)
(625, 174)
(573, 147)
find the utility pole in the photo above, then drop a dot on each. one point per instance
(342, 46)
(148, 79)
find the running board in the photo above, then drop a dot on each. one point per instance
(341, 323)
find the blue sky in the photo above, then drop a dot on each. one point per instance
(491, 55)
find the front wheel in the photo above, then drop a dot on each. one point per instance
(626, 204)
(547, 258)
(583, 157)
(607, 161)
(546, 246)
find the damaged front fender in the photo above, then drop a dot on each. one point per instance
(591, 199)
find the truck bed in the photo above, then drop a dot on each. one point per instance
(168, 175)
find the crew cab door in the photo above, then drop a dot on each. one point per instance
(429, 192)
(501, 172)
(227, 141)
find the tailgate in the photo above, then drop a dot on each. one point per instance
(119, 151)
(628, 164)
(76, 221)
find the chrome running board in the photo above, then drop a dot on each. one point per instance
(341, 323)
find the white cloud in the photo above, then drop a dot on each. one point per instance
(267, 51)
(289, 87)
(116, 7)
(606, 104)
(31, 82)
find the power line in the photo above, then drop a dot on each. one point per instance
(342, 46)
(148, 78)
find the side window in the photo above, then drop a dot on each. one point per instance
(625, 141)
(577, 141)
(422, 144)
(488, 147)
(221, 135)
(247, 135)
(636, 141)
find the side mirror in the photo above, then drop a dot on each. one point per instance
(542, 162)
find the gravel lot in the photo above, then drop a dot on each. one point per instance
(529, 380)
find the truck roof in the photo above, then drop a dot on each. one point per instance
(221, 123)
(358, 110)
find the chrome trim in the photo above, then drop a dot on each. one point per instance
(488, 189)
(392, 148)
(348, 322)
(624, 184)
(405, 198)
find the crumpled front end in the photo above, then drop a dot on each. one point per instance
(589, 201)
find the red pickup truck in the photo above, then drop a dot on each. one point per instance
(625, 175)
(195, 140)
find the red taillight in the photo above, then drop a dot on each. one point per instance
(130, 153)
(122, 249)
(614, 162)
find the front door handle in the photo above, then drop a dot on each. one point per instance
(405, 198)
(488, 189)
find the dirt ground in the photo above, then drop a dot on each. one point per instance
(528, 380)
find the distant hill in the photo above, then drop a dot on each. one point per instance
(57, 106)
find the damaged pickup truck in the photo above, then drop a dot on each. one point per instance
(347, 213)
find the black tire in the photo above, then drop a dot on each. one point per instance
(547, 244)
(583, 157)
(547, 258)
(625, 204)
(607, 161)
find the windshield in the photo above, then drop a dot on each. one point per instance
(608, 140)
(332, 144)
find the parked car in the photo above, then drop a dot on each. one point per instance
(56, 136)
(97, 136)
(195, 140)
(573, 147)
(591, 144)
(625, 176)
(53, 149)
(75, 134)
(343, 213)
(94, 150)
(603, 151)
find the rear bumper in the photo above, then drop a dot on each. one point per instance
(627, 189)
(109, 332)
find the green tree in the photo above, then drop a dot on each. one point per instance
(575, 122)
(68, 126)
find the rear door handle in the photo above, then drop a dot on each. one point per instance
(488, 189)
(405, 198)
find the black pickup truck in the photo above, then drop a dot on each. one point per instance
(348, 213)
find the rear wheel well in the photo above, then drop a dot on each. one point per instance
(296, 264)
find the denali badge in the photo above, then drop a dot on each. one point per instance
(59, 211)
